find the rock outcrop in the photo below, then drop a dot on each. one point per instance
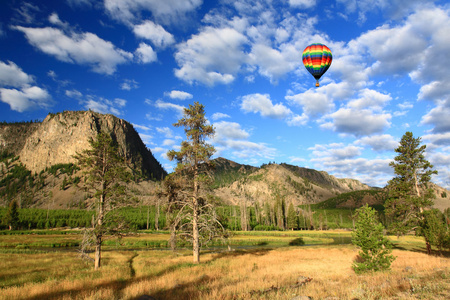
(60, 136)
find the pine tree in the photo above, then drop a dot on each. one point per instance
(292, 217)
(183, 186)
(105, 175)
(409, 194)
(368, 236)
(11, 218)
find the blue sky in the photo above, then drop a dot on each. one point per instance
(145, 60)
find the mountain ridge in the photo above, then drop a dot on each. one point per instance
(34, 149)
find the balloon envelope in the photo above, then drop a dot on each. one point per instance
(317, 59)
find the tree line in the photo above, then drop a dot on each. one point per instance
(198, 219)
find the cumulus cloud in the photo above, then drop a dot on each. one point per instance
(178, 95)
(358, 122)
(438, 117)
(302, 3)
(80, 48)
(167, 11)
(213, 56)
(167, 105)
(273, 63)
(98, 104)
(218, 116)
(229, 136)
(344, 161)
(166, 131)
(370, 99)
(379, 143)
(229, 130)
(259, 103)
(312, 102)
(438, 139)
(145, 54)
(16, 89)
(129, 84)
(26, 98)
(154, 33)
(12, 75)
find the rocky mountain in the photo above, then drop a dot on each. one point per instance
(36, 163)
(235, 183)
(37, 169)
(60, 136)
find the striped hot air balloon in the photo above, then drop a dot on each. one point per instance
(317, 59)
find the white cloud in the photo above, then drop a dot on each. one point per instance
(98, 104)
(80, 48)
(166, 105)
(259, 103)
(178, 95)
(439, 118)
(146, 138)
(145, 54)
(213, 56)
(302, 3)
(129, 84)
(313, 102)
(273, 63)
(168, 142)
(369, 99)
(55, 20)
(358, 122)
(167, 11)
(298, 120)
(12, 75)
(379, 143)
(218, 116)
(229, 130)
(229, 136)
(142, 127)
(26, 99)
(343, 161)
(22, 96)
(166, 131)
(155, 33)
(439, 139)
(73, 94)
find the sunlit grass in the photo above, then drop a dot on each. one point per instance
(239, 274)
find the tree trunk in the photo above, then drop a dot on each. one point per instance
(196, 242)
(195, 233)
(98, 252)
(428, 247)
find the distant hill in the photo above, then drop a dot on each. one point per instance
(37, 168)
(38, 148)
(235, 183)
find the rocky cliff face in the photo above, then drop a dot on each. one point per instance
(60, 136)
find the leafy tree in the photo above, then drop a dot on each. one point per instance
(434, 229)
(375, 247)
(292, 217)
(192, 214)
(409, 194)
(105, 174)
(11, 218)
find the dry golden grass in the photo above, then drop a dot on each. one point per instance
(228, 275)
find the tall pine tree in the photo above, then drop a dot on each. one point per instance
(105, 176)
(409, 191)
(183, 187)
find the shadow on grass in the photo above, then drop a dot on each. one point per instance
(187, 290)
(442, 253)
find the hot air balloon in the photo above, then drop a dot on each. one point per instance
(317, 59)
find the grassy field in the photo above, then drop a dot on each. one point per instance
(270, 272)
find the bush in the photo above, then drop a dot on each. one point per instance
(375, 247)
